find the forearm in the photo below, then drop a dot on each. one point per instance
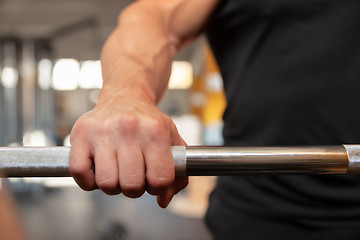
(139, 52)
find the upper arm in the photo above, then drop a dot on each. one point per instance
(181, 19)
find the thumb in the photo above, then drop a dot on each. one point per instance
(165, 197)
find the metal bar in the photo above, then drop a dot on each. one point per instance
(34, 161)
(200, 161)
(269, 160)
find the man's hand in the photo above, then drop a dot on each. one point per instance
(125, 146)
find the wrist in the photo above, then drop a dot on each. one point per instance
(135, 87)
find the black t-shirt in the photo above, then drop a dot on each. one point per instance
(291, 73)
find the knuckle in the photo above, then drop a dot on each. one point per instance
(156, 127)
(106, 126)
(133, 190)
(80, 123)
(128, 123)
(79, 128)
(76, 169)
(106, 183)
(87, 187)
(159, 182)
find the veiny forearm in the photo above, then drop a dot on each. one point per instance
(139, 52)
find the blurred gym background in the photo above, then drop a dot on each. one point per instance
(50, 75)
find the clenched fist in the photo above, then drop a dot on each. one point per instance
(124, 146)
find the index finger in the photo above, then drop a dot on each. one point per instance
(81, 166)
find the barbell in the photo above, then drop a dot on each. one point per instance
(200, 160)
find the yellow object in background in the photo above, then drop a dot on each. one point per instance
(209, 89)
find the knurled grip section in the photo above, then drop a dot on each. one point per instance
(34, 161)
(353, 152)
(179, 155)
